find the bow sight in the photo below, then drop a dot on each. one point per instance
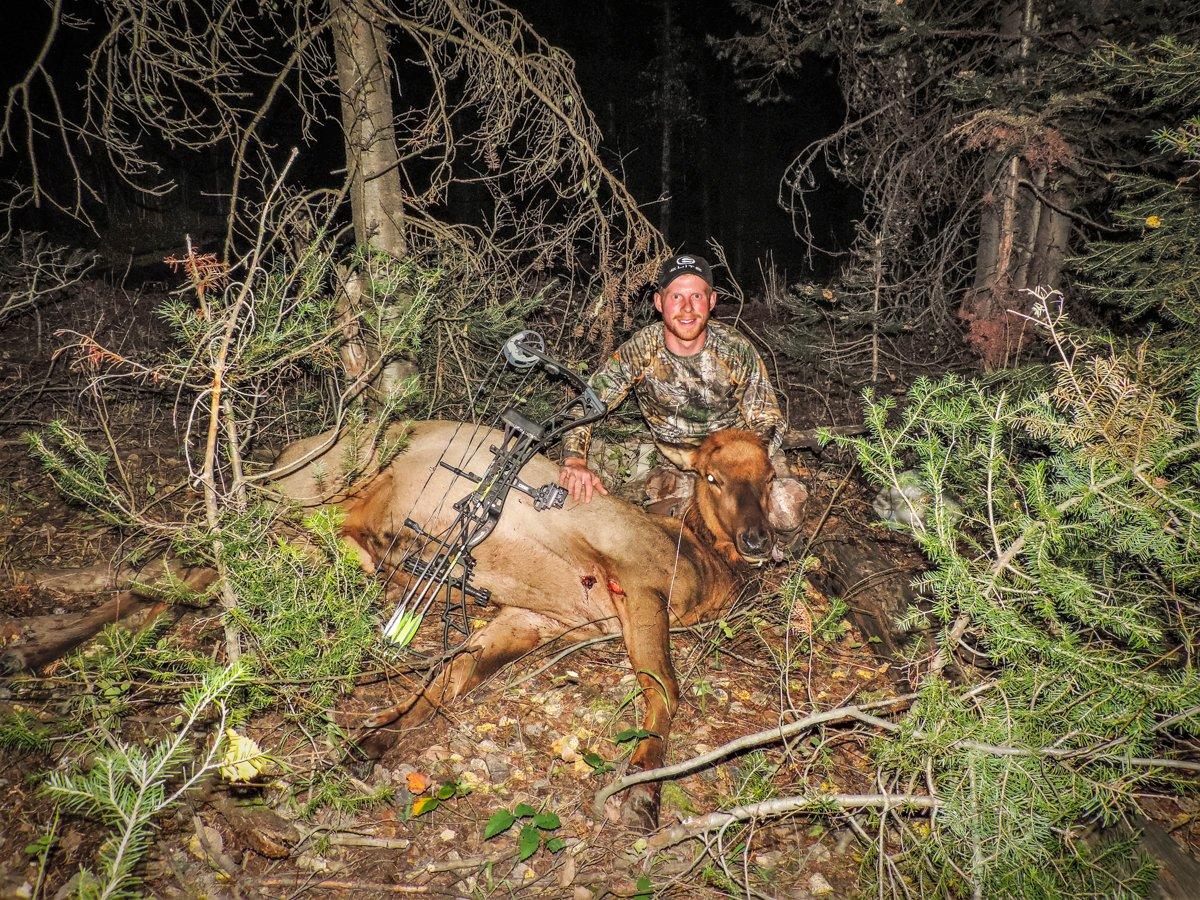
(441, 564)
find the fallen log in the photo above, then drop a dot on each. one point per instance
(30, 643)
(102, 576)
(807, 439)
(38, 640)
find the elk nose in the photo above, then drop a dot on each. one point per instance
(754, 542)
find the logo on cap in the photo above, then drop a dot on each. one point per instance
(685, 261)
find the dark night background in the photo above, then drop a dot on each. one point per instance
(727, 154)
(727, 167)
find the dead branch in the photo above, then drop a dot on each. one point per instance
(359, 888)
(746, 742)
(783, 806)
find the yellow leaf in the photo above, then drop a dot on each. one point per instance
(424, 805)
(243, 760)
(1153, 222)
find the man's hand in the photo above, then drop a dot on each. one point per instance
(581, 481)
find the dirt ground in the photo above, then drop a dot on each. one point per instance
(521, 738)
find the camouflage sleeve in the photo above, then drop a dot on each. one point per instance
(758, 404)
(612, 383)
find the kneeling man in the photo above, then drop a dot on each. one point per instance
(691, 377)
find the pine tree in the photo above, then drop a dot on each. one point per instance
(1060, 513)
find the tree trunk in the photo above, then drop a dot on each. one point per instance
(667, 117)
(998, 257)
(33, 642)
(376, 195)
(1050, 247)
(365, 82)
(29, 643)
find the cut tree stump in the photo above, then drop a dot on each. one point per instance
(874, 575)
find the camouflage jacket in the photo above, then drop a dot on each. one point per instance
(686, 398)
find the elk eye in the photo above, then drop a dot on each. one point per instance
(711, 480)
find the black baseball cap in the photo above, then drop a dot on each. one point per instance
(684, 264)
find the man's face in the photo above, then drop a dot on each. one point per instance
(685, 304)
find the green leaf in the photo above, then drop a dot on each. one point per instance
(645, 887)
(547, 821)
(554, 845)
(598, 763)
(39, 846)
(447, 791)
(500, 822)
(631, 734)
(524, 811)
(528, 842)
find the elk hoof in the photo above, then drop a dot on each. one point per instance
(366, 750)
(639, 812)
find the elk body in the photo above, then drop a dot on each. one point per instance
(600, 568)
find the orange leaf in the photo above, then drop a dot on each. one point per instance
(416, 782)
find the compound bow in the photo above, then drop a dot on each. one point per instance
(442, 564)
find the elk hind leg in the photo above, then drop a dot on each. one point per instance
(511, 634)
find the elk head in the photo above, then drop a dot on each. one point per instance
(733, 486)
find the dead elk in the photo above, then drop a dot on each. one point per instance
(600, 568)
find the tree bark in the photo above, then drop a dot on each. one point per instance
(1050, 247)
(365, 81)
(998, 258)
(373, 166)
(667, 116)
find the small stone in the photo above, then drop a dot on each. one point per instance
(818, 886)
(318, 865)
(498, 767)
(819, 853)
(212, 838)
(581, 893)
(768, 860)
(447, 835)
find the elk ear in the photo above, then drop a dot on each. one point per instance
(680, 457)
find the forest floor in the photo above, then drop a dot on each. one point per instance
(518, 739)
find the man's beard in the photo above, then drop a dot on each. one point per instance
(688, 332)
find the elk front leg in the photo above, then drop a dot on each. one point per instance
(647, 638)
(513, 633)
